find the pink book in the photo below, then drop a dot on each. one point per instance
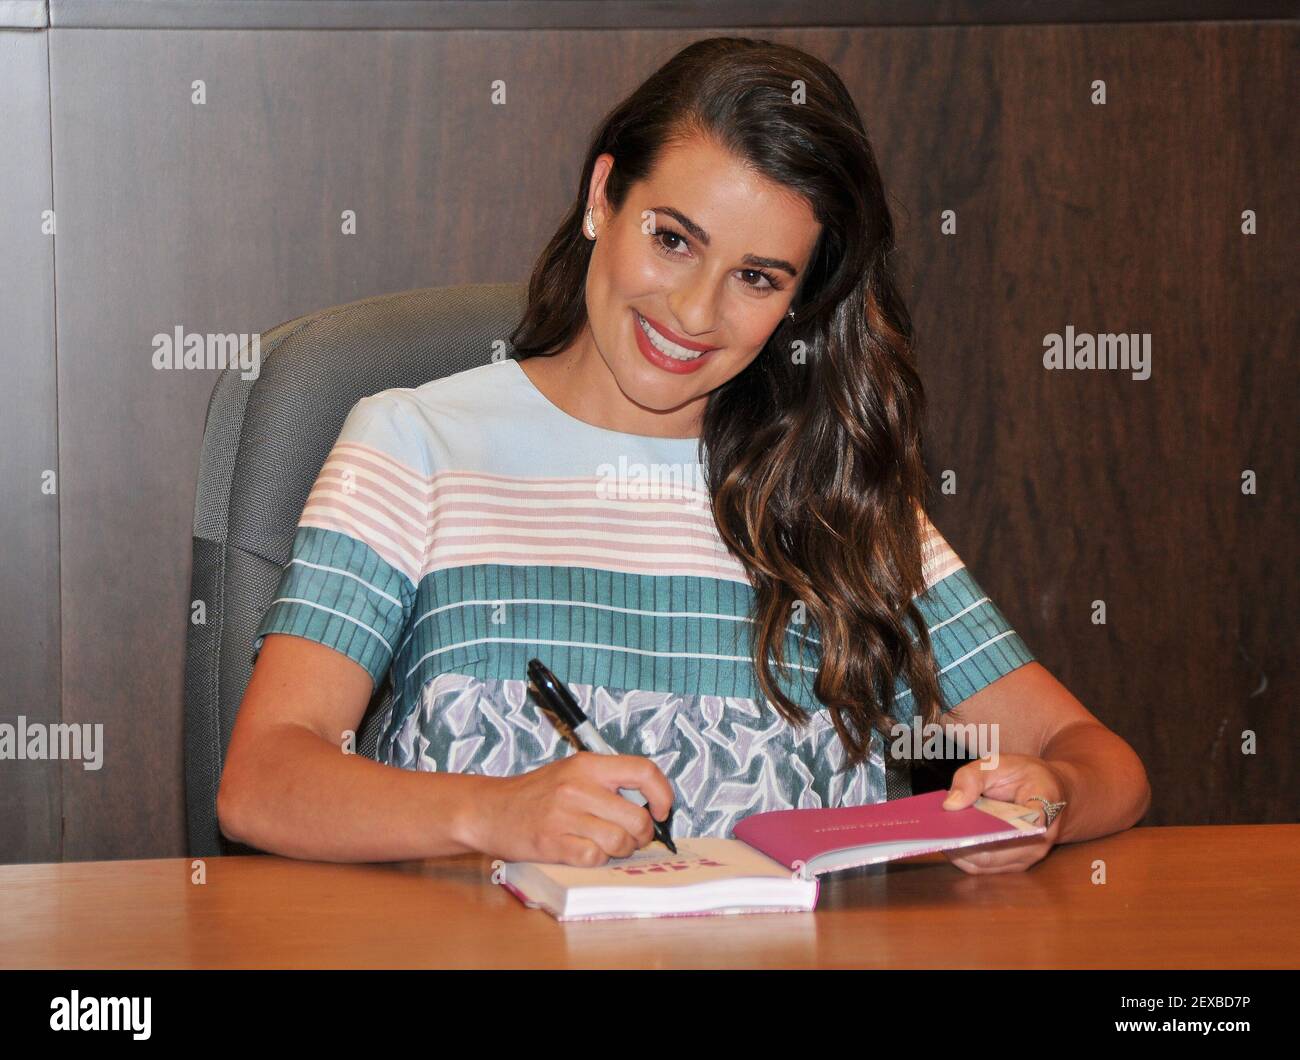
(770, 866)
(811, 842)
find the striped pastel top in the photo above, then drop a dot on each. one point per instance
(460, 528)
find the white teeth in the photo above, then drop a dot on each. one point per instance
(668, 349)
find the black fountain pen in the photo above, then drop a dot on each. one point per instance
(556, 695)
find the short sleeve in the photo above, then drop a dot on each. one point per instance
(973, 642)
(361, 540)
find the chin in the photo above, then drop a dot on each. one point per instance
(645, 386)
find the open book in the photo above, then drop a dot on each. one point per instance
(772, 864)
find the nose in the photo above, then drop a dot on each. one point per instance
(695, 309)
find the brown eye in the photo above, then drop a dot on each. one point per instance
(670, 234)
(657, 238)
(772, 284)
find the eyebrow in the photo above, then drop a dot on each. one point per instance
(703, 237)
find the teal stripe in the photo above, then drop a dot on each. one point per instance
(976, 639)
(597, 627)
(341, 595)
(982, 669)
(481, 609)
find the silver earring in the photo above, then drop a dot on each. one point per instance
(790, 314)
(591, 224)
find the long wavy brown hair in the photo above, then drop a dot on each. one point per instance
(812, 452)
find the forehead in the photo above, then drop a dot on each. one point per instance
(730, 200)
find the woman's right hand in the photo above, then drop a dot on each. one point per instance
(570, 812)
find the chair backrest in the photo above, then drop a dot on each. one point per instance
(264, 442)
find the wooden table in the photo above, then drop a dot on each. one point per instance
(1210, 897)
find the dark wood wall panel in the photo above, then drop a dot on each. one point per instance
(1077, 486)
(30, 808)
(1073, 486)
(629, 14)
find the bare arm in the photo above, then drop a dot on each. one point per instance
(1106, 784)
(288, 788)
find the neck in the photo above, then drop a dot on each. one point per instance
(578, 380)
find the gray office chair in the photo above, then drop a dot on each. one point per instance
(264, 442)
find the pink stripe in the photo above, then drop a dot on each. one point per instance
(593, 492)
(412, 545)
(580, 525)
(573, 487)
(381, 465)
(396, 560)
(579, 544)
(586, 515)
(509, 480)
(365, 509)
(332, 482)
(717, 570)
(936, 573)
(512, 488)
(449, 473)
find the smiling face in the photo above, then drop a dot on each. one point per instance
(685, 286)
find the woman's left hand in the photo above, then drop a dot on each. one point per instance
(1016, 778)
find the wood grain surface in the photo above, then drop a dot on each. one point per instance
(1210, 897)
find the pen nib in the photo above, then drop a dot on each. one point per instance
(661, 834)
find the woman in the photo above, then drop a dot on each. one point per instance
(697, 494)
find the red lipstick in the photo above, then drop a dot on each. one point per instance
(661, 360)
